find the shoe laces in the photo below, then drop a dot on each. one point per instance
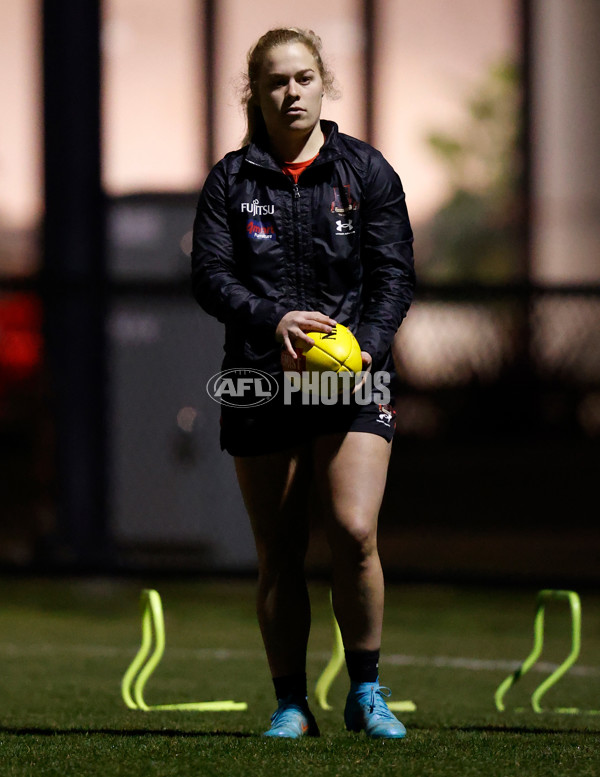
(377, 705)
(284, 709)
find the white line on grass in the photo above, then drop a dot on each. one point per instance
(14, 650)
(481, 665)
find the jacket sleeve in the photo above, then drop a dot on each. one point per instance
(387, 257)
(215, 284)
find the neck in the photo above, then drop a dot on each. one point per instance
(298, 147)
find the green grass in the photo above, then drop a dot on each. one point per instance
(64, 647)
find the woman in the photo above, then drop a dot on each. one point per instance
(302, 228)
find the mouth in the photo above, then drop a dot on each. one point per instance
(294, 110)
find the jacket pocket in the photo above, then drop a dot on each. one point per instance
(261, 350)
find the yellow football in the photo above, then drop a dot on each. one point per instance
(324, 364)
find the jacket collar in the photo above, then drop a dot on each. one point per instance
(258, 153)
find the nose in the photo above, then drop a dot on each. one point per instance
(292, 88)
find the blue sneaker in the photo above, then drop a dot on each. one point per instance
(367, 711)
(292, 720)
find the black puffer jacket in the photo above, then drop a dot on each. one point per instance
(338, 242)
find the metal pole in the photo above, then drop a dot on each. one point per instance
(74, 275)
(208, 62)
(369, 11)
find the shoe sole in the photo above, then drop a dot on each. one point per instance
(357, 728)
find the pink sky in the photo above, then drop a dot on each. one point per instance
(431, 53)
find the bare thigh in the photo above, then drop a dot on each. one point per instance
(275, 488)
(350, 474)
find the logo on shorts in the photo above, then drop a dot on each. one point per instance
(386, 415)
(240, 387)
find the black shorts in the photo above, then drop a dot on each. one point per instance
(274, 426)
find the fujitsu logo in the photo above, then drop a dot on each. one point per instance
(257, 210)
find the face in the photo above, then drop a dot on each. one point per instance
(290, 89)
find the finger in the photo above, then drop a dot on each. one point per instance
(305, 338)
(319, 322)
(318, 326)
(367, 360)
(318, 316)
(288, 346)
(367, 365)
(361, 383)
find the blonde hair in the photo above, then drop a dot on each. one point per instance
(256, 56)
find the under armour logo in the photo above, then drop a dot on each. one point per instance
(344, 227)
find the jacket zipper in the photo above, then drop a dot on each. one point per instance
(298, 263)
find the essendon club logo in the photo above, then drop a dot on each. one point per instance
(343, 201)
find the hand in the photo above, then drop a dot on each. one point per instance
(367, 363)
(296, 323)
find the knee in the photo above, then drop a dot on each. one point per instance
(277, 575)
(354, 540)
(277, 559)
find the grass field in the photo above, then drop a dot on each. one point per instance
(64, 647)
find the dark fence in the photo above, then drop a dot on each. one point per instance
(496, 464)
(494, 468)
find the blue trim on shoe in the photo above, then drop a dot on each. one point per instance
(367, 711)
(291, 720)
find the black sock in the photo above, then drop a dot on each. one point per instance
(363, 665)
(291, 685)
